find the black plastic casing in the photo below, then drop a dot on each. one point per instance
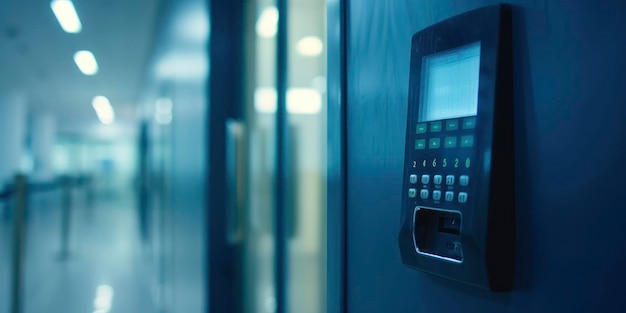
(487, 231)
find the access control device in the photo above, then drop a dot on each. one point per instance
(458, 216)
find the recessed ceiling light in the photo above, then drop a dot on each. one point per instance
(66, 15)
(299, 100)
(303, 101)
(310, 46)
(267, 24)
(86, 62)
(104, 110)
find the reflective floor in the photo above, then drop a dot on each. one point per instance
(106, 271)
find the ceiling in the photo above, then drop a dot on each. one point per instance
(36, 59)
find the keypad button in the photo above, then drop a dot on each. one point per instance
(467, 141)
(412, 192)
(413, 179)
(449, 142)
(469, 122)
(435, 127)
(449, 195)
(434, 143)
(424, 194)
(420, 144)
(437, 195)
(421, 128)
(462, 197)
(463, 180)
(450, 180)
(425, 179)
(452, 125)
(437, 179)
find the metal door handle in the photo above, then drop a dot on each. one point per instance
(234, 180)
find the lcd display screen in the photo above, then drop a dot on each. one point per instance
(450, 84)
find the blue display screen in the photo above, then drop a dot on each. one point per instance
(450, 84)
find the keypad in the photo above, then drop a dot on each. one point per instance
(448, 142)
(443, 157)
(450, 195)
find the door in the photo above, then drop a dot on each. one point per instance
(283, 258)
(259, 257)
(267, 190)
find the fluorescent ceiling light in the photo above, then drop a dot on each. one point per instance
(104, 110)
(267, 24)
(265, 100)
(303, 101)
(86, 62)
(299, 100)
(66, 15)
(310, 46)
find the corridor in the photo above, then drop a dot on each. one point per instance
(107, 268)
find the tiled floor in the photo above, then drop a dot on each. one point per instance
(107, 271)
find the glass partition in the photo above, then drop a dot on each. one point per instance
(259, 253)
(306, 116)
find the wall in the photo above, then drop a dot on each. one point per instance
(569, 106)
(177, 75)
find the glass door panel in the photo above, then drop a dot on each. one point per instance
(259, 252)
(306, 156)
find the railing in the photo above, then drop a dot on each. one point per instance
(18, 192)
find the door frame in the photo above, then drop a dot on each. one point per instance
(225, 84)
(226, 101)
(336, 288)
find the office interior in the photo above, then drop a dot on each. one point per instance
(251, 156)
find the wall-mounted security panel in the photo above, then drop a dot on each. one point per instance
(458, 208)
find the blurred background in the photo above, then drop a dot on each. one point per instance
(129, 184)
